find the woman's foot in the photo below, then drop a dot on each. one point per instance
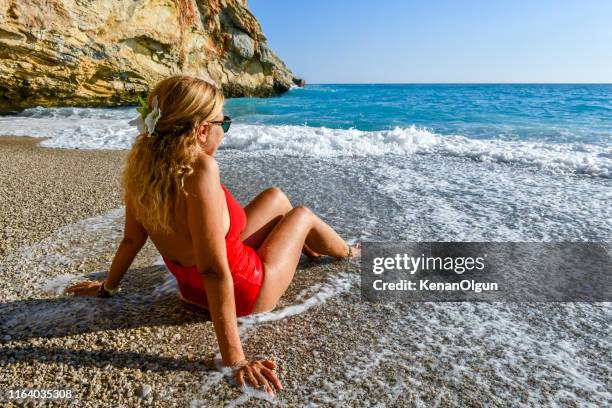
(353, 252)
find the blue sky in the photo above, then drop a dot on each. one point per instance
(359, 41)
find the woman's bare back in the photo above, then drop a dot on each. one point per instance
(178, 247)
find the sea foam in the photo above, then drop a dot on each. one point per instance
(97, 128)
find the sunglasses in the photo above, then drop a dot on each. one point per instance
(225, 123)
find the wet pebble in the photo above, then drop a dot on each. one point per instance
(143, 390)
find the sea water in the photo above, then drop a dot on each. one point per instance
(564, 128)
(417, 163)
(405, 161)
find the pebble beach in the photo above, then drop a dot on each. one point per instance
(62, 221)
(442, 139)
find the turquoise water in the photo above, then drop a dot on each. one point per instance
(405, 162)
(554, 113)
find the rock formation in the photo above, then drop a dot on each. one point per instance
(107, 52)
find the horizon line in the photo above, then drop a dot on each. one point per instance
(458, 83)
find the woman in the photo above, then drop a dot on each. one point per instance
(230, 260)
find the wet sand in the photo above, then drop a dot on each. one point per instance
(62, 221)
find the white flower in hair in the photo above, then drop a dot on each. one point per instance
(147, 119)
(153, 116)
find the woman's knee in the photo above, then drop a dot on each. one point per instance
(301, 211)
(278, 196)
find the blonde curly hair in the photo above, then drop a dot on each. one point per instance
(157, 164)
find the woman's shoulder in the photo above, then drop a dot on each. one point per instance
(205, 170)
(206, 163)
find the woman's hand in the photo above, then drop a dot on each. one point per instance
(259, 373)
(86, 288)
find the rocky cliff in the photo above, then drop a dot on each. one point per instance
(107, 52)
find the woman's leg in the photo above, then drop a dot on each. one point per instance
(263, 213)
(280, 251)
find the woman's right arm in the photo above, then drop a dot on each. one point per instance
(205, 202)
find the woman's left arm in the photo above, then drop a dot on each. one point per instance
(134, 237)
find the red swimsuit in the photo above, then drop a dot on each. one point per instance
(244, 263)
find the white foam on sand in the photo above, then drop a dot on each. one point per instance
(454, 200)
(52, 264)
(57, 285)
(535, 355)
(309, 297)
(48, 260)
(100, 128)
(169, 287)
